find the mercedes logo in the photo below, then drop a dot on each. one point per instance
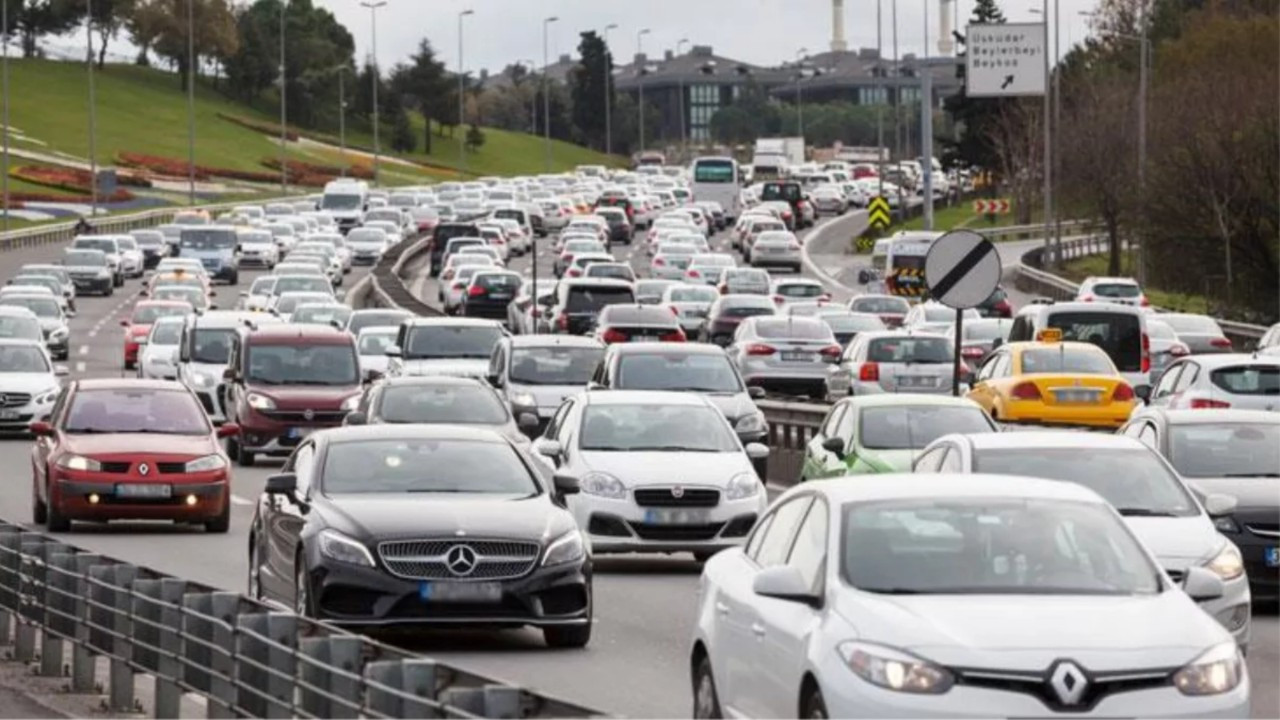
(308, 414)
(677, 492)
(4, 399)
(461, 560)
(143, 469)
(1068, 682)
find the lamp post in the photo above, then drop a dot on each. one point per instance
(462, 92)
(4, 78)
(801, 53)
(1054, 169)
(640, 78)
(284, 101)
(926, 125)
(373, 6)
(93, 120)
(546, 98)
(684, 136)
(881, 99)
(342, 117)
(191, 102)
(608, 92)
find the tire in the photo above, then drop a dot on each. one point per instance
(222, 523)
(812, 706)
(245, 458)
(303, 604)
(253, 583)
(111, 290)
(238, 453)
(130, 365)
(706, 701)
(55, 521)
(567, 636)
(235, 278)
(39, 511)
(119, 280)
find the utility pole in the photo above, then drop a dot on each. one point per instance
(284, 104)
(802, 52)
(897, 120)
(608, 92)
(373, 6)
(684, 135)
(640, 78)
(926, 124)
(1144, 72)
(546, 97)
(342, 116)
(883, 97)
(93, 119)
(191, 101)
(462, 94)
(1048, 154)
(4, 77)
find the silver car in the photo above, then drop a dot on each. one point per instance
(706, 267)
(671, 261)
(792, 355)
(1201, 333)
(1165, 347)
(776, 248)
(690, 304)
(1235, 380)
(895, 361)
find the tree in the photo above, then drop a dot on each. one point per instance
(975, 118)
(109, 16)
(403, 139)
(164, 23)
(1015, 136)
(33, 19)
(475, 137)
(590, 89)
(426, 87)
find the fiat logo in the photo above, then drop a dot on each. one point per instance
(308, 414)
(677, 492)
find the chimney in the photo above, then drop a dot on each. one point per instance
(837, 27)
(946, 45)
(668, 55)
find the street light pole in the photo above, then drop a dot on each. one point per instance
(93, 119)
(608, 92)
(1144, 72)
(377, 78)
(802, 52)
(284, 104)
(640, 78)
(926, 125)
(684, 136)
(883, 97)
(191, 102)
(462, 93)
(342, 117)
(1048, 153)
(897, 120)
(4, 78)
(546, 97)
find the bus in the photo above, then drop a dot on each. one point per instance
(717, 179)
(903, 262)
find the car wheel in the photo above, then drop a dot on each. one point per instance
(130, 365)
(55, 521)
(222, 523)
(303, 606)
(706, 701)
(813, 706)
(235, 279)
(111, 290)
(567, 636)
(245, 458)
(39, 511)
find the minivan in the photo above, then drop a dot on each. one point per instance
(1120, 330)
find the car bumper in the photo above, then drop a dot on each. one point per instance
(224, 273)
(358, 596)
(18, 419)
(1233, 610)
(666, 273)
(130, 351)
(622, 526)
(261, 434)
(1264, 579)
(93, 285)
(768, 259)
(73, 492)
(1112, 415)
(259, 259)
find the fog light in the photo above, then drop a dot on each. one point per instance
(191, 499)
(93, 498)
(1234, 618)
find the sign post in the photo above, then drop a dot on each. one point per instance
(962, 269)
(1005, 60)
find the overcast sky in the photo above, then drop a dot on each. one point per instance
(764, 32)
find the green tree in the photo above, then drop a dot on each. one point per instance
(34, 19)
(590, 89)
(216, 34)
(976, 119)
(403, 139)
(475, 138)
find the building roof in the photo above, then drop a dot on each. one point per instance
(699, 65)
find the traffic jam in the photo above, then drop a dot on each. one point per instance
(1019, 509)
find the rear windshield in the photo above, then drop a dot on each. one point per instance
(880, 305)
(785, 328)
(452, 341)
(1226, 450)
(1065, 360)
(697, 372)
(617, 272)
(693, 294)
(745, 311)
(377, 319)
(987, 330)
(490, 281)
(147, 314)
(442, 404)
(638, 315)
(852, 323)
(1248, 379)
(27, 328)
(592, 299)
(1118, 334)
(781, 191)
(909, 350)
(799, 290)
(1116, 290)
(1193, 324)
(913, 427)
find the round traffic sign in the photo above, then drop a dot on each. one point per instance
(962, 269)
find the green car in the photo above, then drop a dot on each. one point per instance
(883, 433)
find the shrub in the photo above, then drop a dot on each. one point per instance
(69, 179)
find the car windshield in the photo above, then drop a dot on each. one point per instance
(991, 547)
(44, 307)
(981, 330)
(367, 235)
(1157, 329)
(166, 333)
(880, 305)
(321, 314)
(324, 364)
(911, 427)
(656, 428)
(442, 404)
(23, 359)
(212, 345)
(147, 314)
(376, 343)
(799, 290)
(451, 341)
(1247, 379)
(414, 465)
(611, 270)
(75, 258)
(793, 329)
(554, 365)
(1066, 360)
(1206, 450)
(1133, 480)
(163, 412)
(106, 246)
(852, 322)
(262, 286)
(909, 349)
(698, 372)
(693, 294)
(49, 283)
(209, 239)
(194, 296)
(20, 328)
(1116, 290)
(332, 201)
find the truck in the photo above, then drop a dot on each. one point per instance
(791, 149)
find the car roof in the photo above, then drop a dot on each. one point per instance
(1054, 439)
(396, 431)
(433, 380)
(595, 282)
(1088, 307)
(535, 341)
(451, 322)
(31, 342)
(1212, 362)
(290, 334)
(902, 486)
(662, 348)
(645, 397)
(897, 399)
(228, 319)
(1065, 345)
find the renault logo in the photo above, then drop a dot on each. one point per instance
(143, 469)
(461, 560)
(1068, 682)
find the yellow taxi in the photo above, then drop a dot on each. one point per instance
(179, 276)
(1051, 382)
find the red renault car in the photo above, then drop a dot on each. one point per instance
(138, 326)
(284, 382)
(129, 449)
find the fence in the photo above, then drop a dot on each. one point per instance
(243, 658)
(791, 426)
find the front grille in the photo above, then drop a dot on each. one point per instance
(1269, 530)
(347, 600)
(667, 497)
(1039, 685)
(676, 533)
(13, 400)
(300, 416)
(115, 467)
(429, 559)
(170, 468)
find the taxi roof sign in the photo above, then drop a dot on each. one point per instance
(1049, 335)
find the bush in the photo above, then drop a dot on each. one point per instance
(69, 179)
(297, 168)
(271, 129)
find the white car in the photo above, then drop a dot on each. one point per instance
(339, 245)
(690, 303)
(658, 471)
(1230, 380)
(955, 596)
(283, 305)
(444, 346)
(131, 258)
(258, 247)
(372, 345)
(158, 356)
(29, 383)
(367, 245)
(393, 231)
(705, 268)
(1117, 290)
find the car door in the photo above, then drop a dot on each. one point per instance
(43, 447)
(1163, 391)
(282, 522)
(983, 391)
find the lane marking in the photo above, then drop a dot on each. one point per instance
(80, 366)
(84, 350)
(237, 500)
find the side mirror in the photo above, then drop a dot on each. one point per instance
(1144, 393)
(1200, 584)
(372, 376)
(997, 343)
(124, 323)
(356, 418)
(282, 484)
(393, 351)
(60, 371)
(547, 448)
(757, 451)
(213, 293)
(834, 445)
(41, 428)
(1219, 505)
(527, 422)
(228, 430)
(755, 392)
(566, 485)
(784, 582)
(229, 375)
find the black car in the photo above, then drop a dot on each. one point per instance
(727, 313)
(440, 237)
(791, 193)
(575, 307)
(413, 525)
(441, 400)
(489, 293)
(619, 226)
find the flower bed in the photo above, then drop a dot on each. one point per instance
(69, 179)
(178, 169)
(297, 168)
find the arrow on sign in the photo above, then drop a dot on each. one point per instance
(1008, 80)
(878, 212)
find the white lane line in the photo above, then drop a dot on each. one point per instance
(237, 500)
(80, 366)
(84, 350)
(93, 333)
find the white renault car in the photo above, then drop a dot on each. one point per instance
(955, 596)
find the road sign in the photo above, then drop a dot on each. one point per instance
(906, 282)
(1005, 60)
(962, 269)
(878, 212)
(991, 207)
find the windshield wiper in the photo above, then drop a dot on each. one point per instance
(669, 448)
(1144, 512)
(1252, 475)
(894, 591)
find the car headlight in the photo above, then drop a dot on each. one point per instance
(336, 546)
(565, 549)
(205, 380)
(743, 485)
(79, 462)
(524, 399)
(750, 423)
(48, 396)
(104, 273)
(258, 401)
(894, 669)
(1216, 671)
(351, 403)
(1226, 524)
(206, 463)
(59, 333)
(603, 485)
(1227, 564)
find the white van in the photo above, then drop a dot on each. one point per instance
(345, 200)
(1118, 329)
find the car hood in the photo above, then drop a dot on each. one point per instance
(885, 461)
(478, 368)
(547, 396)
(664, 468)
(86, 268)
(1178, 541)
(27, 382)
(1031, 631)
(108, 445)
(302, 397)
(385, 516)
(51, 324)
(1258, 492)
(733, 405)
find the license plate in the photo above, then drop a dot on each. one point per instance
(797, 356)
(916, 382)
(9, 415)
(1273, 556)
(143, 490)
(446, 592)
(644, 338)
(675, 516)
(1075, 396)
(500, 296)
(297, 432)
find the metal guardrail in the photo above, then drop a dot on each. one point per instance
(1030, 232)
(791, 426)
(387, 288)
(243, 658)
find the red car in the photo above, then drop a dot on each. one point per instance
(129, 450)
(138, 325)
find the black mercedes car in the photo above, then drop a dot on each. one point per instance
(412, 525)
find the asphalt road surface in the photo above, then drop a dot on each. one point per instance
(636, 663)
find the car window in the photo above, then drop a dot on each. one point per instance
(1224, 449)
(1119, 334)
(1065, 359)
(757, 537)
(1190, 371)
(910, 350)
(427, 466)
(652, 427)
(1247, 379)
(442, 404)
(915, 426)
(930, 461)
(776, 544)
(809, 551)
(950, 462)
(303, 466)
(1147, 436)
(1167, 382)
(833, 420)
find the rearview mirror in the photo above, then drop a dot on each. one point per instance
(41, 428)
(547, 448)
(757, 451)
(229, 375)
(1200, 584)
(60, 371)
(566, 485)
(282, 484)
(1143, 392)
(784, 582)
(527, 422)
(124, 323)
(356, 418)
(393, 351)
(755, 392)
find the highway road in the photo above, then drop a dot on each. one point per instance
(636, 663)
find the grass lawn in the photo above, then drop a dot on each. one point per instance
(1081, 268)
(961, 215)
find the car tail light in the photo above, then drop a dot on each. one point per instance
(1004, 308)
(694, 274)
(566, 257)
(659, 261)
(1208, 404)
(1025, 391)
(497, 241)
(613, 336)
(1087, 298)
(676, 335)
(761, 349)
(1221, 343)
(869, 372)
(1144, 302)
(830, 352)
(1123, 393)
(971, 352)
(1146, 353)
(778, 299)
(476, 291)
(724, 289)
(575, 272)
(459, 285)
